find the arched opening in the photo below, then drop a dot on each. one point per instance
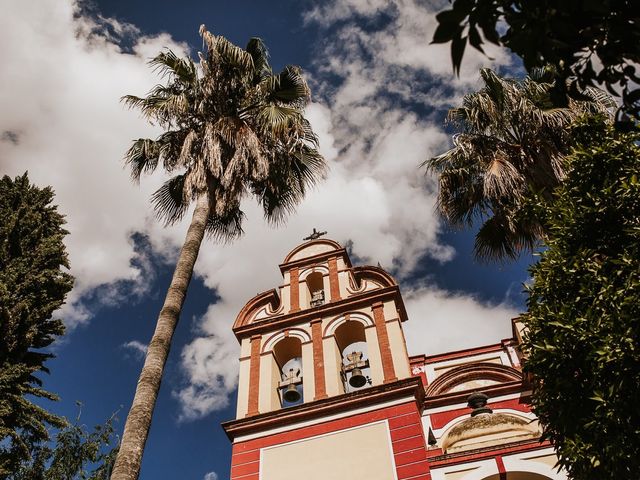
(355, 369)
(315, 289)
(288, 356)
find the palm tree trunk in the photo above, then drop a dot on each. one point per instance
(136, 429)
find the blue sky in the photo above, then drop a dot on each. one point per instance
(380, 95)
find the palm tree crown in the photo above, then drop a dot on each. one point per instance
(232, 128)
(510, 141)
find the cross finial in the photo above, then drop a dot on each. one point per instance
(314, 235)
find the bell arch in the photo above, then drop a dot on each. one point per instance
(363, 318)
(282, 363)
(350, 342)
(287, 353)
(315, 291)
(299, 333)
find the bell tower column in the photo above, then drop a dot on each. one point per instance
(383, 342)
(294, 288)
(254, 375)
(334, 285)
(318, 360)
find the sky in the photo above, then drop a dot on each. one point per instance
(380, 95)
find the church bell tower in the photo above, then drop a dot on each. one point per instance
(325, 388)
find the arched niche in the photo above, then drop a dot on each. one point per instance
(287, 354)
(351, 341)
(315, 292)
(334, 346)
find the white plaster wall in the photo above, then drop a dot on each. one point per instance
(243, 389)
(312, 250)
(308, 374)
(268, 399)
(362, 453)
(398, 350)
(375, 360)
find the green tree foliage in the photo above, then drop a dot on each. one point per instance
(32, 286)
(583, 315)
(509, 142)
(75, 454)
(589, 43)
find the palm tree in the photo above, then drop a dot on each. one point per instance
(232, 129)
(511, 141)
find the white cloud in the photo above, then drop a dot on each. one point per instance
(63, 74)
(138, 349)
(441, 321)
(211, 476)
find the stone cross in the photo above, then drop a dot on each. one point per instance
(314, 235)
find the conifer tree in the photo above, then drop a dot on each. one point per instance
(33, 285)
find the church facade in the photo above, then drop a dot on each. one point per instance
(327, 389)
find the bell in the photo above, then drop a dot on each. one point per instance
(291, 394)
(357, 379)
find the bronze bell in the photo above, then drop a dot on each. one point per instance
(291, 394)
(357, 379)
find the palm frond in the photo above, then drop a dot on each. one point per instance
(168, 63)
(494, 241)
(260, 55)
(289, 180)
(132, 101)
(221, 49)
(142, 157)
(163, 104)
(502, 178)
(277, 119)
(170, 145)
(170, 202)
(227, 227)
(289, 86)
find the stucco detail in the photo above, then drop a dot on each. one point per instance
(488, 429)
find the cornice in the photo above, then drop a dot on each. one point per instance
(486, 452)
(411, 386)
(328, 309)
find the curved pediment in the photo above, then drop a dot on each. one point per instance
(472, 376)
(370, 278)
(311, 249)
(262, 306)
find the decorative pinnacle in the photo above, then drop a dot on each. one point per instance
(314, 235)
